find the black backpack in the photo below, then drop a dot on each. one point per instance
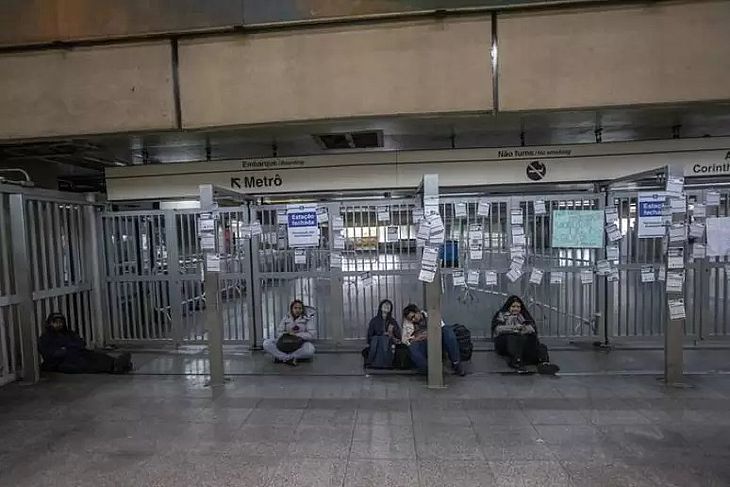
(463, 337)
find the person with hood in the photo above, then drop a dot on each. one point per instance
(515, 338)
(383, 336)
(63, 350)
(415, 335)
(293, 335)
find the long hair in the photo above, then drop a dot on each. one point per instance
(411, 308)
(56, 316)
(505, 308)
(291, 307)
(389, 316)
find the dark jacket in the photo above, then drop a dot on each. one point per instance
(56, 346)
(379, 324)
(502, 316)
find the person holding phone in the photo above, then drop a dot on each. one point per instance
(515, 338)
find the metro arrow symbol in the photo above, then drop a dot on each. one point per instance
(236, 183)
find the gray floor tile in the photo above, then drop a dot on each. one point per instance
(504, 443)
(310, 472)
(447, 442)
(529, 474)
(383, 473)
(613, 474)
(318, 441)
(555, 416)
(617, 416)
(514, 417)
(329, 416)
(684, 475)
(387, 442)
(435, 473)
(275, 416)
(371, 416)
(454, 417)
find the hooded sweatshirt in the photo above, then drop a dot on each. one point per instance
(505, 322)
(379, 324)
(304, 326)
(55, 345)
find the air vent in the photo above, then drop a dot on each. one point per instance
(351, 140)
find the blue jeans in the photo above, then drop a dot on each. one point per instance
(419, 350)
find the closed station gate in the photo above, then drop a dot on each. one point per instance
(154, 271)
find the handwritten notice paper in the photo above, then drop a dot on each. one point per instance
(578, 229)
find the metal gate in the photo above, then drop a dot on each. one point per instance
(9, 323)
(567, 309)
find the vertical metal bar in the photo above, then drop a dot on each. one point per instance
(173, 278)
(28, 335)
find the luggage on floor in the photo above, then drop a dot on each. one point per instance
(463, 337)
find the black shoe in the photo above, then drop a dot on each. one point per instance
(459, 369)
(547, 368)
(278, 361)
(515, 364)
(292, 362)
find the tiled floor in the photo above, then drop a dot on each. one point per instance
(304, 428)
(483, 430)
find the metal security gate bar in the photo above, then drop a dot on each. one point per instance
(567, 309)
(9, 323)
(379, 261)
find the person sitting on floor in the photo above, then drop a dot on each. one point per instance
(293, 335)
(383, 336)
(63, 350)
(515, 338)
(415, 335)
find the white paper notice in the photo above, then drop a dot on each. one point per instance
(212, 263)
(458, 278)
(322, 215)
(391, 234)
(676, 309)
(611, 214)
(675, 281)
(519, 240)
(207, 242)
(612, 252)
(417, 214)
(540, 207)
(472, 278)
(516, 252)
(438, 237)
(514, 274)
(536, 276)
(300, 256)
(557, 277)
(339, 243)
(647, 273)
(256, 229)
(367, 279)
(678, 232)
(206, 223)
(661, 273)
(383, 214)
(613, 276)
(518, 261)
(586, 276)
(490, 278)
(699, 251)
(675, 257)
(281, 218)
(612, 232)
(476, 254)
(516, 217)
(336, 260)
(426, 275)
(337, 223)
(603, 267)
(677, 206)
(483, 208)
(430, 256)
(460, 210)
(652, 218)
(718, 237)
(424, 231)
(712, 198)
(675, 185)
(697, 230)
(699, 210)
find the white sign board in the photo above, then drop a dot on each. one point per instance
(718, 236)
(302, 230)
(651, 218)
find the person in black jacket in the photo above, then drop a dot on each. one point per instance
(383, 337)
(63, 350)
(383, 323)
(515, 338)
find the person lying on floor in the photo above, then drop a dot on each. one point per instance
(293, 335)
(383, 337)
(63, 350)
(415, 335)
(515, 338)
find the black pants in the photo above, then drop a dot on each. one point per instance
(86, 362)
(525, 348)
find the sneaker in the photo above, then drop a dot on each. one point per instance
(547, 368)
(523, 371)
(292, 362)
(459, 369)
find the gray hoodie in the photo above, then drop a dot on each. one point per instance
(305, 326)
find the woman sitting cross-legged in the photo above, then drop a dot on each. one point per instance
(293, 335)
(515, 338)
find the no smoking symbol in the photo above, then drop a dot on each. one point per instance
(536, 170)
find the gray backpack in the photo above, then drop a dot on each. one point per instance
(380, 355)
